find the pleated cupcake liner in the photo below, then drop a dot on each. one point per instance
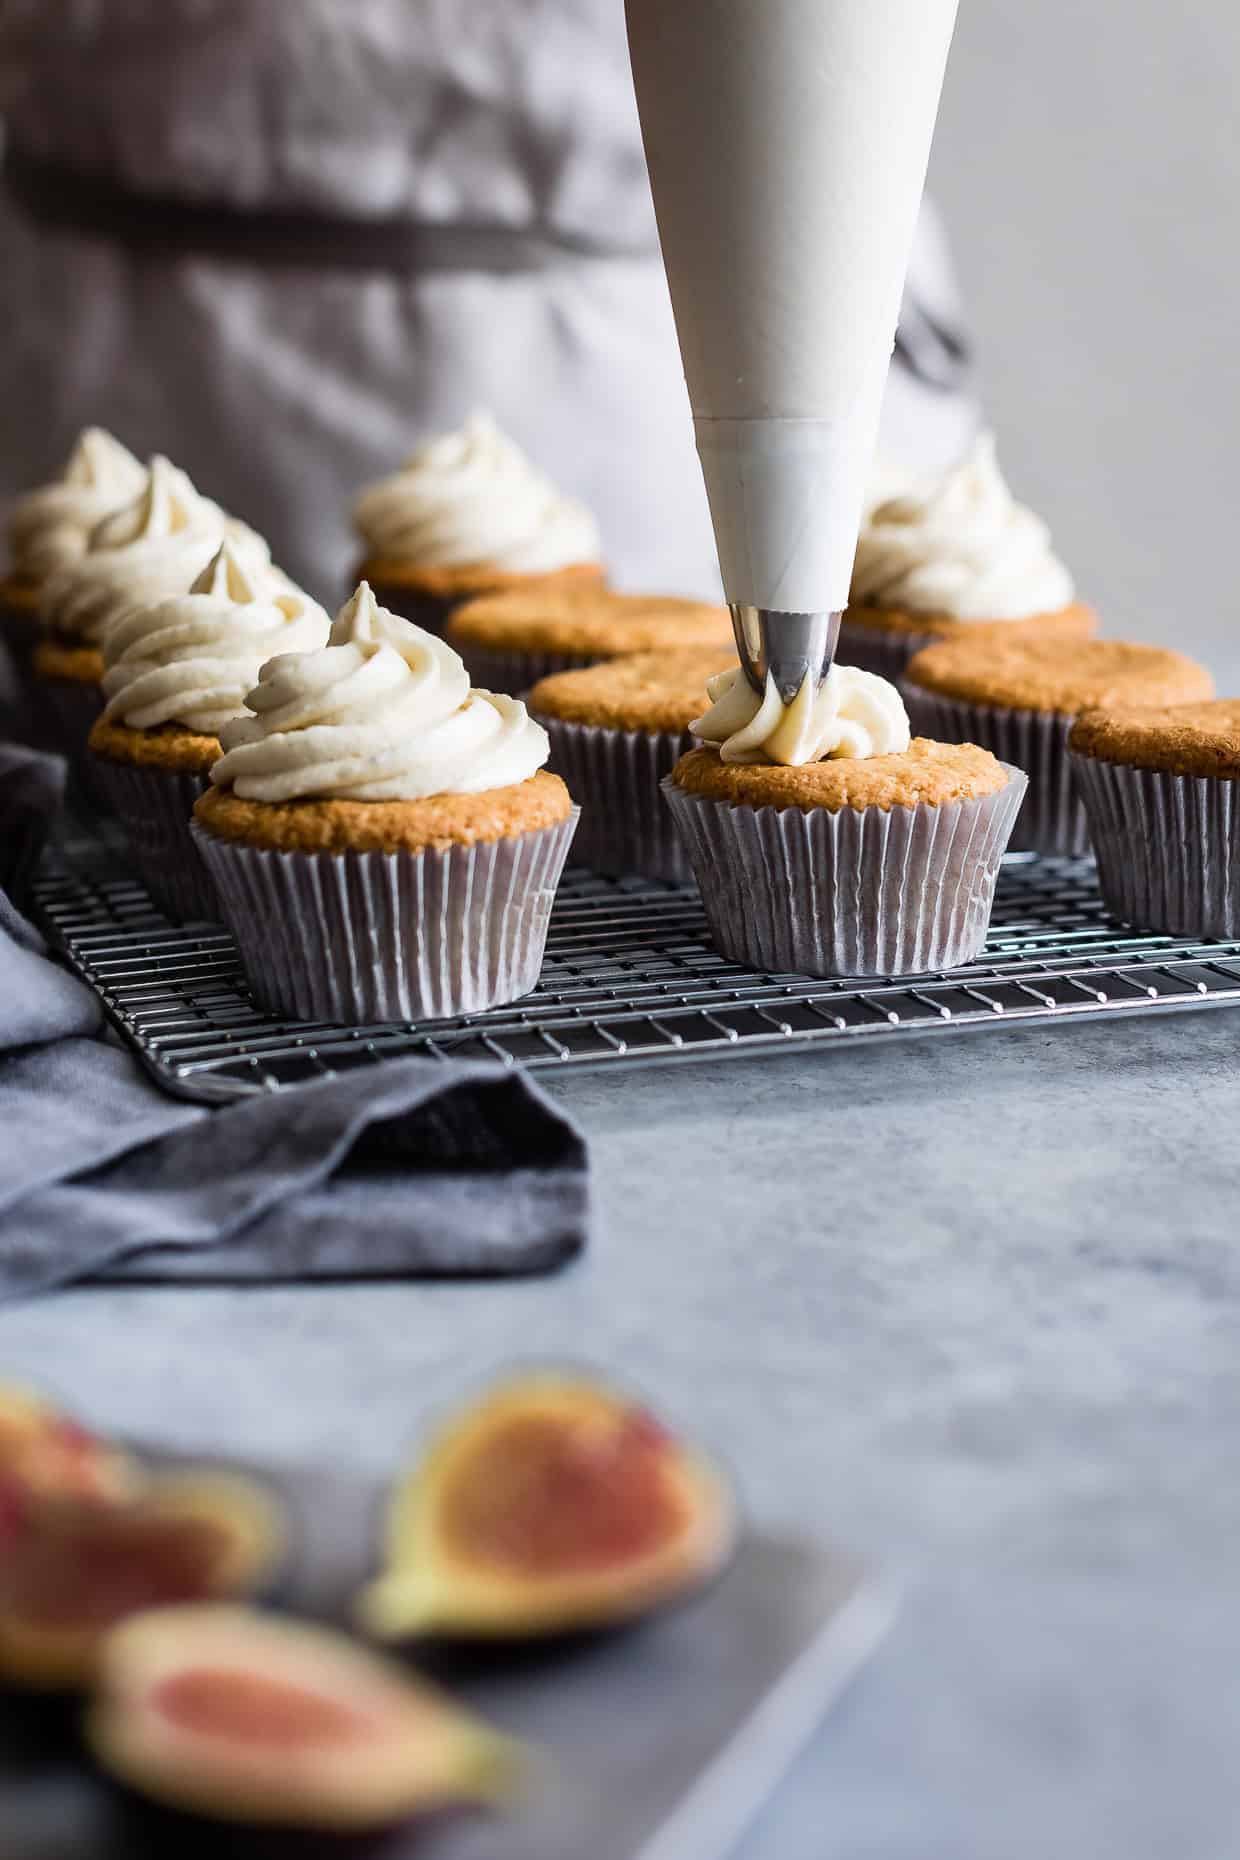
(1167, 846)
(357, 937)
(431, 612)
(69, 711)
(615, 776)
(860, 892)
(885, 653)
(154, 806)
(515, 672)
(1052, 819)
(27, 710)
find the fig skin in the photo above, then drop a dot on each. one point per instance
(187, 1537)
(473, 1549)
(46, 1456)
(324, 1734)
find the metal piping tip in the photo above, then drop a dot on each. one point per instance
(785, 647)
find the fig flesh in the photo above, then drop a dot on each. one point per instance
(550, 1507)
(79, 1568)
(46, 1456)
(250, 1718)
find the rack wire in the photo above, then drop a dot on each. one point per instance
(630, 978)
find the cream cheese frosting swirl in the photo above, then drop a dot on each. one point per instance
(384, 712)
(854, 714)
(472, 497)
(191, 658)
(49, 528)
(155, 546)
(965, 548)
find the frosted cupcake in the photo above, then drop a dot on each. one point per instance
(175, 672)
(826, 842)
(156, 545)
(1019, 695)
(469, 514)
(49, 529)
(384, 841)
(1161, 790)
(510, 641)
(935, 564)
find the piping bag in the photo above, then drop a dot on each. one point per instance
(787, 142)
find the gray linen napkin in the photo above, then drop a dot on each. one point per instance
(415, 1167)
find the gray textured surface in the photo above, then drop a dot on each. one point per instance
(971, 1304)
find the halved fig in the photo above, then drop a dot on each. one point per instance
(45, 1456)
(249, 1718)
(80, 1568)
(550, 1507)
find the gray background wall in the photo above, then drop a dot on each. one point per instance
(1088, 161)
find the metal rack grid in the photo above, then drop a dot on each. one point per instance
(630, 978)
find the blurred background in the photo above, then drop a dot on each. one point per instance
(1086, 167)
(1089, 170)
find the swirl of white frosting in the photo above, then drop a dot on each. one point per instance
(191, 658)
(855, 714)
(155, 546)
(473, 497)
(964, 547)
(383, 712)
(49, 528)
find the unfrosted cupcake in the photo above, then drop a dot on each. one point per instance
(156, 545)
(1019, 696)
(49, 529)
(510, 641)
(616, 730)
(936, 564)
(469, 514)
(1161, 790)
(826, 842)
(175, 672)
(385, 842)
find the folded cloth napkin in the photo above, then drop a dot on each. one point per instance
(413, 1167)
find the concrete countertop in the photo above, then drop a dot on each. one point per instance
(970, 1304)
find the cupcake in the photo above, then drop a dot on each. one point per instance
(175, 672)
(963, 554)
(1161, 790)
(616, 729)
(385, 842)
(154, 546)
(510, 641)
(826, 842)
(49, 529)
(1018, 696)
(469, 514)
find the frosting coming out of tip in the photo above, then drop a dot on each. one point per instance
(854, 714)
(964, 547)
(383, 712)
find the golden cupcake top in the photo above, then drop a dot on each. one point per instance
(926, 774)
(1048, 674)
(1075, 622)
(587, 622)
(650, 691)
(433, 823)
(1182, 739)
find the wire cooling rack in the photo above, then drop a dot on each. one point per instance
(630, 978)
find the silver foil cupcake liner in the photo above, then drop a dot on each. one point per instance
(1052, 819)
(887, 654)
(515, 672)
(1168, 847)
(154, 807)
(615, 776)
(802, 891)
(357, 937)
